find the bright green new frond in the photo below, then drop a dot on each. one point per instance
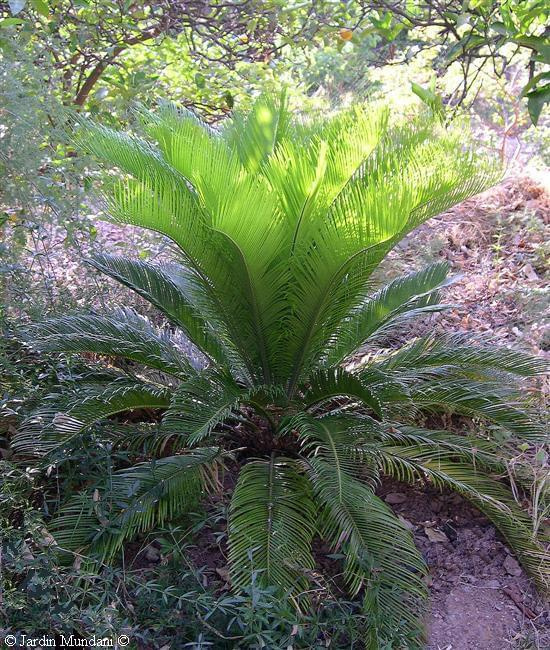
(129, 153)
(283, 221)
(256, 136)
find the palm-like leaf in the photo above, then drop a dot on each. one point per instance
(134, 499)
(170, 289)
(123, 334)
(467, 397)
(336, 382)
(271, 525)
(380, 554)
(457, 352)
(58, 427)
(200, 404)
(404, 297)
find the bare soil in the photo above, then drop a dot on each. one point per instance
(481, 598)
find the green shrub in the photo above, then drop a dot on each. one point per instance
(278, 226)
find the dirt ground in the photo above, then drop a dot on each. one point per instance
(481, 599)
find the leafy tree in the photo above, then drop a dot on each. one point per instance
(278, 225)
(84, 39)
(474, 35)
(90, 41)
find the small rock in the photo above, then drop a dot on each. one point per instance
(394, 498)
(511, 565)
(26, 553)
(492, 584)
(152, 554)
(450, 531)
(47, 540)
(224, 574)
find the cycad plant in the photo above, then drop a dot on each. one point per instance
(278, 225)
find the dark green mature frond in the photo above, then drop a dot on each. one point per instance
(122, 334)
(380, 554)
(337, 382)
(459, 351)
(168, 288)
(54, 428)
(132, 500)
(198, 406)
(482, 399)
(478, 451)
(271, 525)
(409, 295)
(345, 443)
(493, 498)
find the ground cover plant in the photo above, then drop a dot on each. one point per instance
(278, 226)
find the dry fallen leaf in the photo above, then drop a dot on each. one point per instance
(224, 574)
(395, 498)
(435, 535)
(409, 525)
(530, 272)
(512, 566)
